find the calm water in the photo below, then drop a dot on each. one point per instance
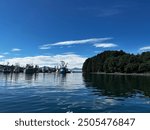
(74, 93)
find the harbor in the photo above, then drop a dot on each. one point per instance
(32, 69)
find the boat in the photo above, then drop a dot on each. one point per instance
(7, 69)
(16, 68)
(63, 68)
(29, 69)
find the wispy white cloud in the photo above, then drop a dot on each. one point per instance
(146, 48)
(45, 47)
(105, 45)
(16, 49)
(2, 56)
(5, 53)
(73, 60)
(74, 42)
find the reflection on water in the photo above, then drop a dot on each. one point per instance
(74, 93)
(118, 85)
(44, 79)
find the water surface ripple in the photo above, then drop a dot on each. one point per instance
(74, 92)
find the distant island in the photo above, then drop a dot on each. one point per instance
(117, 62)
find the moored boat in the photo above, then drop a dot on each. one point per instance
(29, 69)
(63, 68)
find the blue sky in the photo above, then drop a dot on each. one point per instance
(46, 31)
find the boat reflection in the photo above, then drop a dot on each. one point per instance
(62, 81)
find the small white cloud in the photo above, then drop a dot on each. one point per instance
(74, 42)
(15, 49)
(73, 60)
(45, 47)
(105, 45)
(1, 56)
(5, 53)
(146, 48)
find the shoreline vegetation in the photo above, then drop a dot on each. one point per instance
(118, 63)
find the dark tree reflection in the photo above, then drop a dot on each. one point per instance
(118, 85)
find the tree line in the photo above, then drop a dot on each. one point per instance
(118, 61)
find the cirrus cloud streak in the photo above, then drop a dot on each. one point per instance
(74, 42)
(146, 48)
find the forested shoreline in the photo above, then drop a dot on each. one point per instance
(118, 61)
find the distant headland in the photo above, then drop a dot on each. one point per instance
(118, 62)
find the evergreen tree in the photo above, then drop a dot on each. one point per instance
(118, 61)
